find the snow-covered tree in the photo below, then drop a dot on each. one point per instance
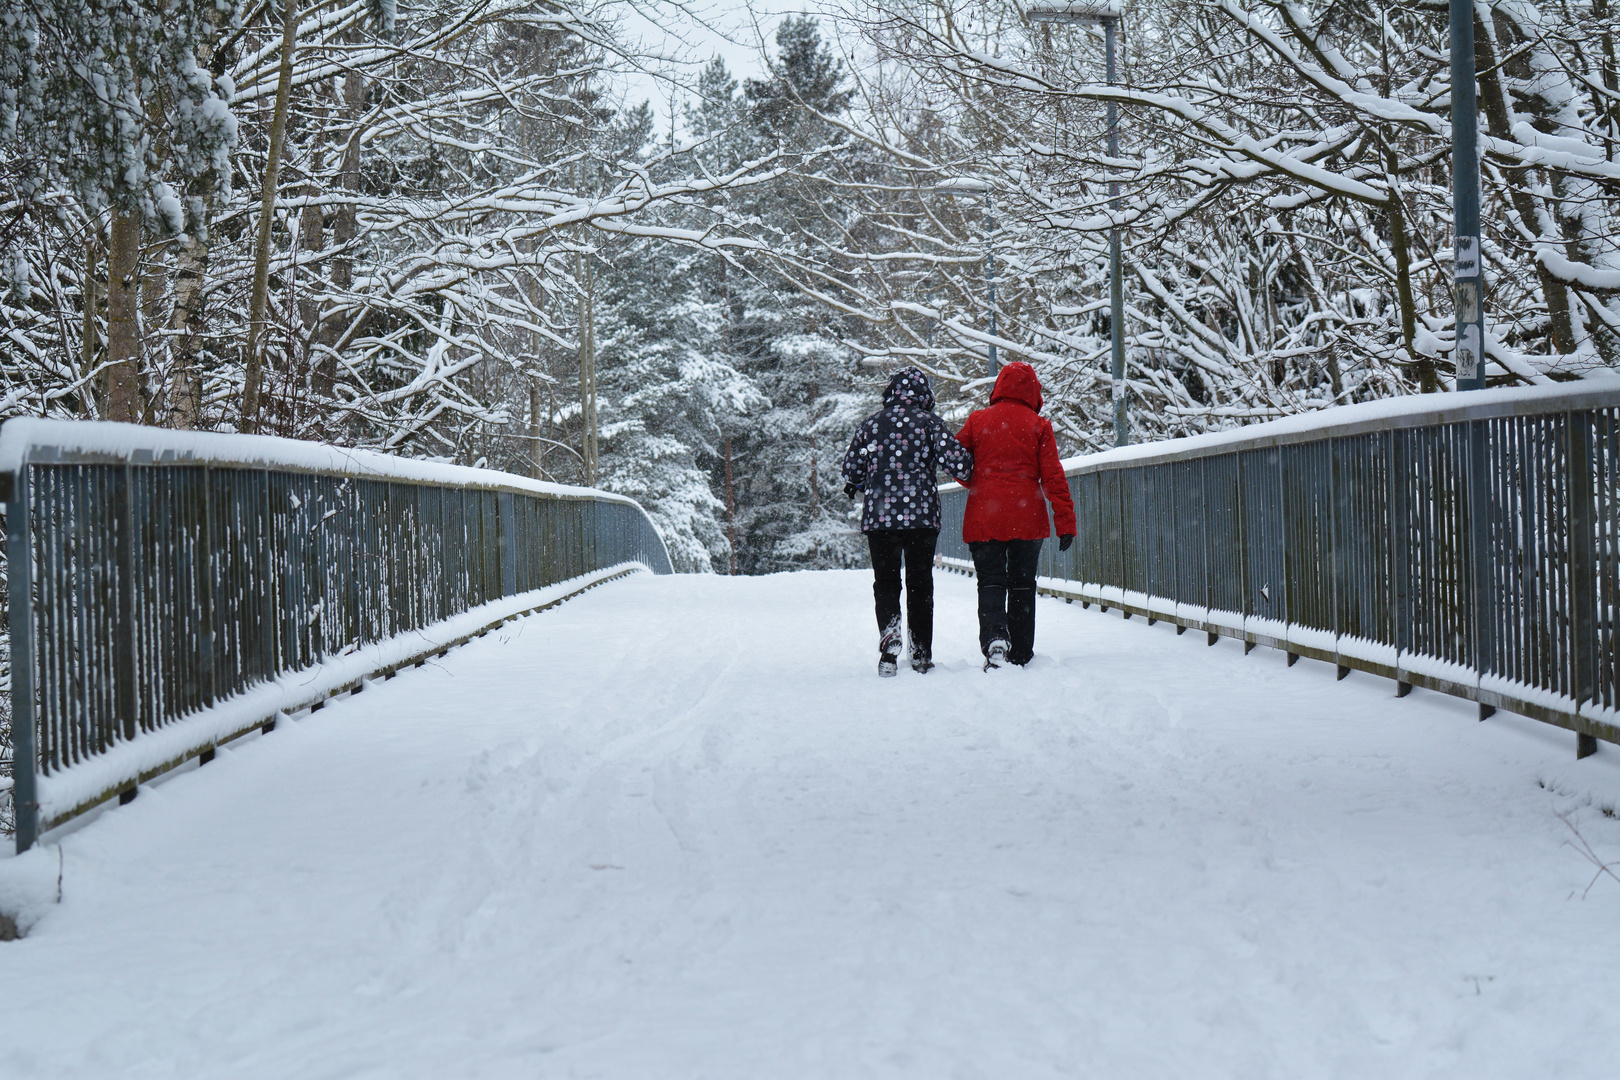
(1285, 181)
(110, 112)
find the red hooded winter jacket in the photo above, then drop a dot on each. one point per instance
(1014, 457)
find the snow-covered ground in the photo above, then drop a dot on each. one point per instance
(678, 828)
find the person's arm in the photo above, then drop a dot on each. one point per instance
(967, 439)
(857, 459)
(966, 435)
(1055, 484)
(952, 456)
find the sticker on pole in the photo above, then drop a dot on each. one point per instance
(1468, 256)
(1467, 301)
(1468, 352)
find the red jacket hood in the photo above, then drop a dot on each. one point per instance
(1017, 382)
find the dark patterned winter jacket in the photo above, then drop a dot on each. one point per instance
(894, 455)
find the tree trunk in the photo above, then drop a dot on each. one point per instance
(156, 351)
(311, 239)
(534, 429)
(324, 377)
(1607, 106)
(123, 318)
(253, 379)
(184, 391)
(731, 515)
(1400, 246)
(186, 324)
(1497, 121)
(90, 332)
(815, 503)
(587, 369)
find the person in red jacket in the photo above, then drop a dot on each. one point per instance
(1015, 459)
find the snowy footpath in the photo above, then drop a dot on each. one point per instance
(677, 828)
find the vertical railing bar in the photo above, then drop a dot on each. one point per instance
(1284, 611)
(1479, 521)
(104, 586)
(1400, 544)
(210, 610)
(56, 635)
(267, 578)
(125, 563)
(75, 626)
(80, 624)
(508, 543)
(1209, 555)
(1582, 559)
(1331, 534)
(83, 646)
(20, 586)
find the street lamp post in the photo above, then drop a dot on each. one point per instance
(1469, 317)
(968, 185)
(1104, 13)
(1469, 277)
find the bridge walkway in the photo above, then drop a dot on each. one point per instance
(678, 828)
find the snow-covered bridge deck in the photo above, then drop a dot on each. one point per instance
(678, 828)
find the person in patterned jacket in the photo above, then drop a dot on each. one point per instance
(893, 458)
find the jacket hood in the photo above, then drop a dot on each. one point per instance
(1017, 382)
(908, 386)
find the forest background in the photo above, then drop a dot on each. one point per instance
(440, 230)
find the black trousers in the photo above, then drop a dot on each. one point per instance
(915, 547)
(1006, 573)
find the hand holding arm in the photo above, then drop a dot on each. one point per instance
(953, 454)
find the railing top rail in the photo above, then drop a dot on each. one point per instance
(85, 442)
(1390, 414)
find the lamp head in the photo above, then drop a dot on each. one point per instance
(1084, 12)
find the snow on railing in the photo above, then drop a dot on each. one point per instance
(1467, 543)
(170, 591)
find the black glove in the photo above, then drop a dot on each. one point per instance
(1065, 541)
(850, 490)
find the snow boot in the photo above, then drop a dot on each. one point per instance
(889, 650)
(996, 655)
(921, 662)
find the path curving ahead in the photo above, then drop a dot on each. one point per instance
(677, 828)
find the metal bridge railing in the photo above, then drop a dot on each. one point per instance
(1468, 544)
(155, 575)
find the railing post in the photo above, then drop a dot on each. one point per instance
(124, 567)
(1335, 586)
(1240, 518)
(1174, 595)
(1121, 559)
(508, 508)
(206, 573)
(1479, 521)
(1209, 554)
(357, 560)
(266, 568)
(1285, 607)
(1583, 567)
(1400, 551)
(20, 583)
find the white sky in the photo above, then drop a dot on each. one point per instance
(690, 34)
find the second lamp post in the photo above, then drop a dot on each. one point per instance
(1104, 13)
